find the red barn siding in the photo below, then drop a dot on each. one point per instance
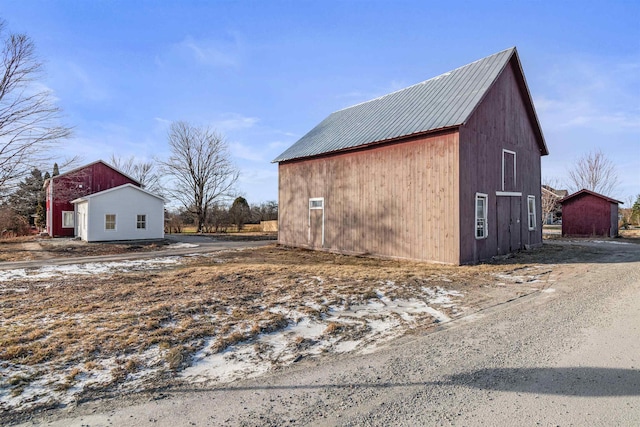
(87, 180)
(500, 122)
(589, 215)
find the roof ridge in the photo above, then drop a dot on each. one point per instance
(424, 81)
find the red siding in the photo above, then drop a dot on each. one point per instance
(500, 122)
(588, 215)
(87, 180)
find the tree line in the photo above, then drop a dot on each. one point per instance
(222, 218)
(198, 174)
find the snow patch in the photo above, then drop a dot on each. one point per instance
(88, 268)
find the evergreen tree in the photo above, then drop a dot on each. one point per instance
(239, 212)
(56, 172)
(29, 195)
(635, 211)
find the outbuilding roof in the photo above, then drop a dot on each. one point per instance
(584, 191)
(118, 188)
(443, 102)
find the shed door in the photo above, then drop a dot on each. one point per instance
(508, 212)
(316, 222)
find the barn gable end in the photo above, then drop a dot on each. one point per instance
(502, 145)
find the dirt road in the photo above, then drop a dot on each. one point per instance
(567, 356)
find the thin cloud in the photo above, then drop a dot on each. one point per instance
(259, 154)
(245, 152)
(232, 122)
(356, 97)
(593, 94)
(213, 53)
(87, 87)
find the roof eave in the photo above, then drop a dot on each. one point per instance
(593, 193)
(372, 144)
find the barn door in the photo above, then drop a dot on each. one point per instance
(316, 222)
(508, 212)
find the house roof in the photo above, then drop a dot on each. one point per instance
(556, 193)
(443, 102)
(120, 187)
(585, 191)
(86, 166)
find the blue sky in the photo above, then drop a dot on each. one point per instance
(264, 73)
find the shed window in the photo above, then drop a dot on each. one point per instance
(141, 222)
(481, 216)
(531, 209)
(110, 222)
(316, 203)
(67, 219)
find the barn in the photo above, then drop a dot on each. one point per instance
(586, 213)
(61, 189)
(126, 212)
(447, 170)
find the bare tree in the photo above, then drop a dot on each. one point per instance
(144, 172)
(595, 172)
(550, 196)
(200, 170)
(28, 117)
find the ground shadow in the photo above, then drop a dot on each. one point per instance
(579, 381)
(572, 251)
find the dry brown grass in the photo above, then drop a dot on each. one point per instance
(632, 233)
(78, 319)
(231, 297)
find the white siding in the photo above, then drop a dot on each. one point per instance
(126, 202)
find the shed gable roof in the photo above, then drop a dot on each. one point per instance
(118, 188)
(443, 102)
(584, 191)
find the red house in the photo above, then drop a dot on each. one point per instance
(586, 213)
(62, 189)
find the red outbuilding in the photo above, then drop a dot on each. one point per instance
(61, 189)
(586, 213)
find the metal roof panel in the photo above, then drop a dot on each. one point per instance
(444, 101)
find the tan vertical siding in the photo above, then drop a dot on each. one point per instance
(398, 200)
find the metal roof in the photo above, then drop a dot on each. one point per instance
(593, 193)
(441, 102)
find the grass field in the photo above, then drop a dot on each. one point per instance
(67, 335)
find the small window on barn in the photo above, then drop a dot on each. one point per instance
(141, 222)
(481, 216)
(110, 222)
(531, 209)
(508, 170)
(317, 203)
(67, 219)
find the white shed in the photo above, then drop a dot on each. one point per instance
(126, 212)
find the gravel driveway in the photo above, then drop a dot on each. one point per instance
(567, 356)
